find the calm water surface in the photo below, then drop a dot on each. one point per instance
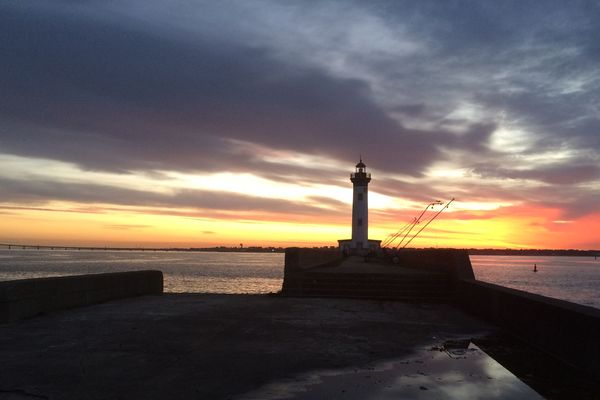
(205, 272)
(575, 279)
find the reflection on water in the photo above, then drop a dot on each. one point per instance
(205, 272)
(575, 279)
(440, 373)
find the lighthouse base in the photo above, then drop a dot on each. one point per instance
(350, 247)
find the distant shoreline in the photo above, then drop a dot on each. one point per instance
(259, 249)
(534, 252)
(221, 249)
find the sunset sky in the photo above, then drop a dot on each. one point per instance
(191, 123)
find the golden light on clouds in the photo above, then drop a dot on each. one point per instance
(321, 217)
(246, 130)
(465, 224)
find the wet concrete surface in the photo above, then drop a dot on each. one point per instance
(439, 373)
(196, 346)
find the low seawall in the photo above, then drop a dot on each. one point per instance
(29, 297)
(298, 260)
(566, 330)
(379, 276)
(454, 262)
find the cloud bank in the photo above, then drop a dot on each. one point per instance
(505, 95)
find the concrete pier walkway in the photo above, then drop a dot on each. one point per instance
(198, 346)
(251, 347)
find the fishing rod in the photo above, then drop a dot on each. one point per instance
(418, 220)
(428, 222)
(390, 239)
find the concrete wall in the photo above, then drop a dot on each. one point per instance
(29, 297)
(299, 259)
(454, 262)
(570, 332)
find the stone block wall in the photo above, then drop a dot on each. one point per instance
(29, 297)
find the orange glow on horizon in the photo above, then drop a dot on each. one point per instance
(511, 227)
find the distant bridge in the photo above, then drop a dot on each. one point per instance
(11, 246)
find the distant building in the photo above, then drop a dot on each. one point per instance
(360, 243)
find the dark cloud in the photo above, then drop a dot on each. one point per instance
(109, 97)
(418, 192)
(39, 192)
(556, 175)
(328, 201)
(410, 109)
(127, 86)
(533, 63)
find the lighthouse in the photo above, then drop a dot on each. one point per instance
(360, 205)
(360, 243)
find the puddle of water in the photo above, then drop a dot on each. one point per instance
(457, 370)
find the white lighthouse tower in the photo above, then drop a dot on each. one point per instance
(360, 243)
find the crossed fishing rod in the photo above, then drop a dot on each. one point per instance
(407, 229)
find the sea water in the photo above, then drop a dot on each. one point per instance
(575, 279)
(184, 271)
